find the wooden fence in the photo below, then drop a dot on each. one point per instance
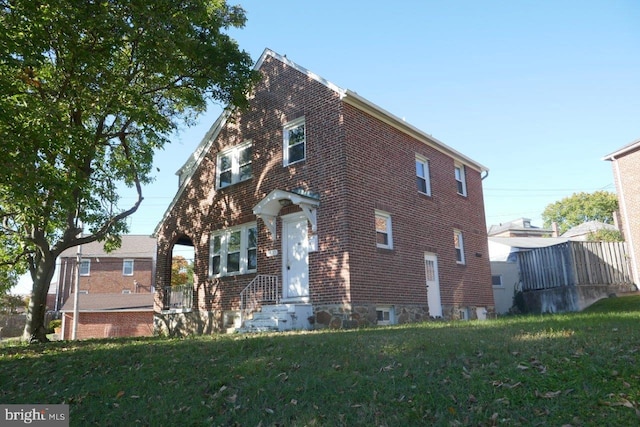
(575, 263)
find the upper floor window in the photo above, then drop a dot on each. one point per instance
(422, 175)
(383, 230)
(233, 251)
(234, 165)
(85, 267)
(461, 181)
(295, 140)
(458, 242)
(127, 267)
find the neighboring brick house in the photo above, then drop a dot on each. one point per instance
(109, 315)
(626, 172)
(112, 286)
(520, 227)
(327, 211)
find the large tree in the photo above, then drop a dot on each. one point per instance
(90, 90)
(579, 208)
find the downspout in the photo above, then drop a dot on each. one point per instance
(483, 177)
(627, 231)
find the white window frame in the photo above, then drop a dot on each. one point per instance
(458, 243)
(420, 160)
(386, 216)
(285, 145)
(461, 179)
(234, 154)
(225, 236)
(124, 267)
(390, 315)
(87, 262)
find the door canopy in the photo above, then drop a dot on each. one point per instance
(267, 209)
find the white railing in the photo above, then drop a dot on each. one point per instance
(263, 288)
(178, 297)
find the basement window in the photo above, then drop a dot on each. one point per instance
(384, 315)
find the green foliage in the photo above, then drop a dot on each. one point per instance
(606, 236)
(573, 369)
(181, 271)
(581, 207)
(90, 90)
(9, 303)
(56, 323)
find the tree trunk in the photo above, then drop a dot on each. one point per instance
(35, 330)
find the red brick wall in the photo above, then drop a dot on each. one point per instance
(387, 181)
(106, 276)
(280, 98)
(628, 185)
(104, 325)
(348, 163)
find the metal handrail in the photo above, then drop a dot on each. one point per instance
(263, 288)
(178, 297)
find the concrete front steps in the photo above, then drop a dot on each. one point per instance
(281, 317)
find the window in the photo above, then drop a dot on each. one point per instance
(458, 242)
(127, 267)
(85, 267)
(496, 280)
(422, 175)
(234, 251)
(126, 291)
(295, 139)
(234, 165)
(383, 230)
(460, 179)
(384, 315)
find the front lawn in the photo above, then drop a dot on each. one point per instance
(577, 369)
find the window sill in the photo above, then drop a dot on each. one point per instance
(239, 273)
(176, 310)
(382, 249)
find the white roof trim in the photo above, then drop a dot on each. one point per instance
(346, 95)
(367, 106)
(624, 150)
(310, 74)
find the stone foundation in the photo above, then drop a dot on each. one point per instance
(346, 317)
(181, 324)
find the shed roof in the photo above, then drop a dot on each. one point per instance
(110, 303)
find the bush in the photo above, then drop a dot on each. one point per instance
(54, 324)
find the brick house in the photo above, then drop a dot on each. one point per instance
(626, 173)
(109, 315)
(321, 209)
(112, 287)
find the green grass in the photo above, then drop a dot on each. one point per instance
(576, 369)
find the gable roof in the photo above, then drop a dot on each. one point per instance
(110, 303)
(352, 98)
(133, 246)
(588, 227)
(623, 151)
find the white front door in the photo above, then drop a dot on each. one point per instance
(295, 257)
(433, 284)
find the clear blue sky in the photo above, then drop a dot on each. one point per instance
(537, 91)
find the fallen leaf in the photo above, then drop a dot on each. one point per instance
(120, 394)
